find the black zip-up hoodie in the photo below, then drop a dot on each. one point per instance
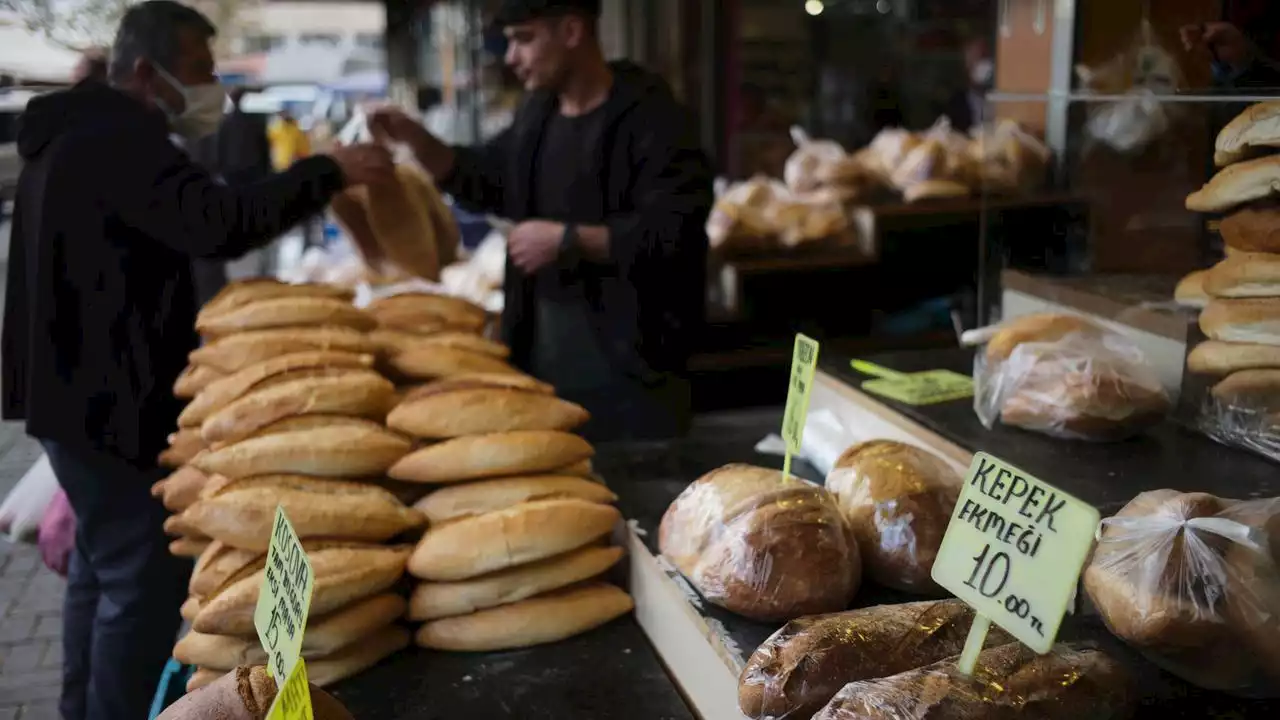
(99, 306)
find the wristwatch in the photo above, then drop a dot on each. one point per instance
(569, 241)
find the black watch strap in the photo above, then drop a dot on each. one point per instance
(569, 241)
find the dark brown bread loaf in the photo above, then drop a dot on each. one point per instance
(246, 693)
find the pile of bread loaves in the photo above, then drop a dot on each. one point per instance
(1240, 296)
(300, 400)
(246, 693)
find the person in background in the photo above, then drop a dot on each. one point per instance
(99, 315)
(968, 108)
(604, 177)
(1236, 60)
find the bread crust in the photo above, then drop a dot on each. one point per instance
(1245, 275)
(477, 498)
(1242, 320)
(520, 452)
(1242, 183)
(406, 310)
(337, 451)
(193, 380)
(1256, 127)
(239, 293)
(479, 411)
(359, 393)
(1214, 357)
(222, 392)
(1037, 327)
(1190, 290)
(286, 312)
(1252, 229)
(428, 362)
(237, 351)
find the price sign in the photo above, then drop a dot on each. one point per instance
(293, 702)
(918, 388)
(284, 599)
(804, 361)
(1014, 551)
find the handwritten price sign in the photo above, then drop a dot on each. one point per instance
(1014, 551)
(284, 599)
(804, 361)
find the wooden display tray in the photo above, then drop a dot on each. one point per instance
(705, 647)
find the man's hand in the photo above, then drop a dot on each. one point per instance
(1224, 40)
(391, 123)
(364, 164)
(535, 244)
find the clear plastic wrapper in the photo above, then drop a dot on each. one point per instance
(1191, 580)
(760, 545)
(898, 501)
(760, 213)
(1243, 410)
(1064, 377)
(1140, 75)
(803, 665)
(25, 505)
(1010, 682)
(810, 161)
(941, 154)
(1007, 158)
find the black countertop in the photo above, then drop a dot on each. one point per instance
(610, 672)
(648, 477)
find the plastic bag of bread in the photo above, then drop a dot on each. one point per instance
(1007, 158)
(1010, 682)
(888, 149)
(738, 216)
(1065, 377)
(1243, 408)
(942, 154)
(763, 546)
(898, 500)
(806, 217)
(809, 161)
(803, 665)
(1141, 74)
(246, 693)
(1191, 580)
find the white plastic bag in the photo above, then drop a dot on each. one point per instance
(806, 165)
(24, 507)
(1142, 73)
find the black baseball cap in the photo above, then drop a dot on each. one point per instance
(514, 12)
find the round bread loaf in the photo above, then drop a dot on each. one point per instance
(763, 546)
(245, 693)
(898, 501)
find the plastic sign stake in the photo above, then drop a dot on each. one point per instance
(293, 701)
(284, 600)
(1014, 551)
(918, 388)
(804, 361)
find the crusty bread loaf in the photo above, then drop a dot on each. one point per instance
(1236, 185)
(1011, 681)
(181, 489)
(193, 380)
(935, 190)
(898, 501)
(286, 312)
(403, 226)
(337, 451)
(351, 209)
(190, 608)
(218, 564)
(242, 514)
(1245, 275)
(344, 573)
(444, 227)
(179, 525)
(520, 452)
(523, 533)
(803, 665)
(1214, 357)
(1250, 389)
(341, 665)
(222, 392)
(763, 546)
(477, 380)
(1252, 229)
(409, 309)
(1252, 603)
(324, 635)
(243, 694)
(238, 293)
(433, 600)
(239, 350)
(1250, 320)
(428, 362)
(1038, 328)
(1095, 400)
(1190, 290)
(359, 393)
(398, 341)
(1255, 128)
(538, 620)
(183, 446)
(483, 410)
(188, 547)
(477, 498)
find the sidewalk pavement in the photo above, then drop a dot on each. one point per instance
(30, 606)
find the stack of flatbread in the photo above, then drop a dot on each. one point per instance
(293, 416)
(519, 527)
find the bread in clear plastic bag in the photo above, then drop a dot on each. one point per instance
(1065, 377)
(738, 214)
(941, 154)
(1008, 159)
(804, 167)
(1191, 580)
(1141, 74)
(898, 501)
(888, 149)
(760, 545)
(1010, 682)
(1243, 410)
(805, 663)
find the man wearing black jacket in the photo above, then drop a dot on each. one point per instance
(99, 319)
(602, 171)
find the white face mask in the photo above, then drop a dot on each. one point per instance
(205, 105)
(982, 74)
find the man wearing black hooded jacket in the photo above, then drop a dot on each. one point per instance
(603, 174)
(99, 316)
